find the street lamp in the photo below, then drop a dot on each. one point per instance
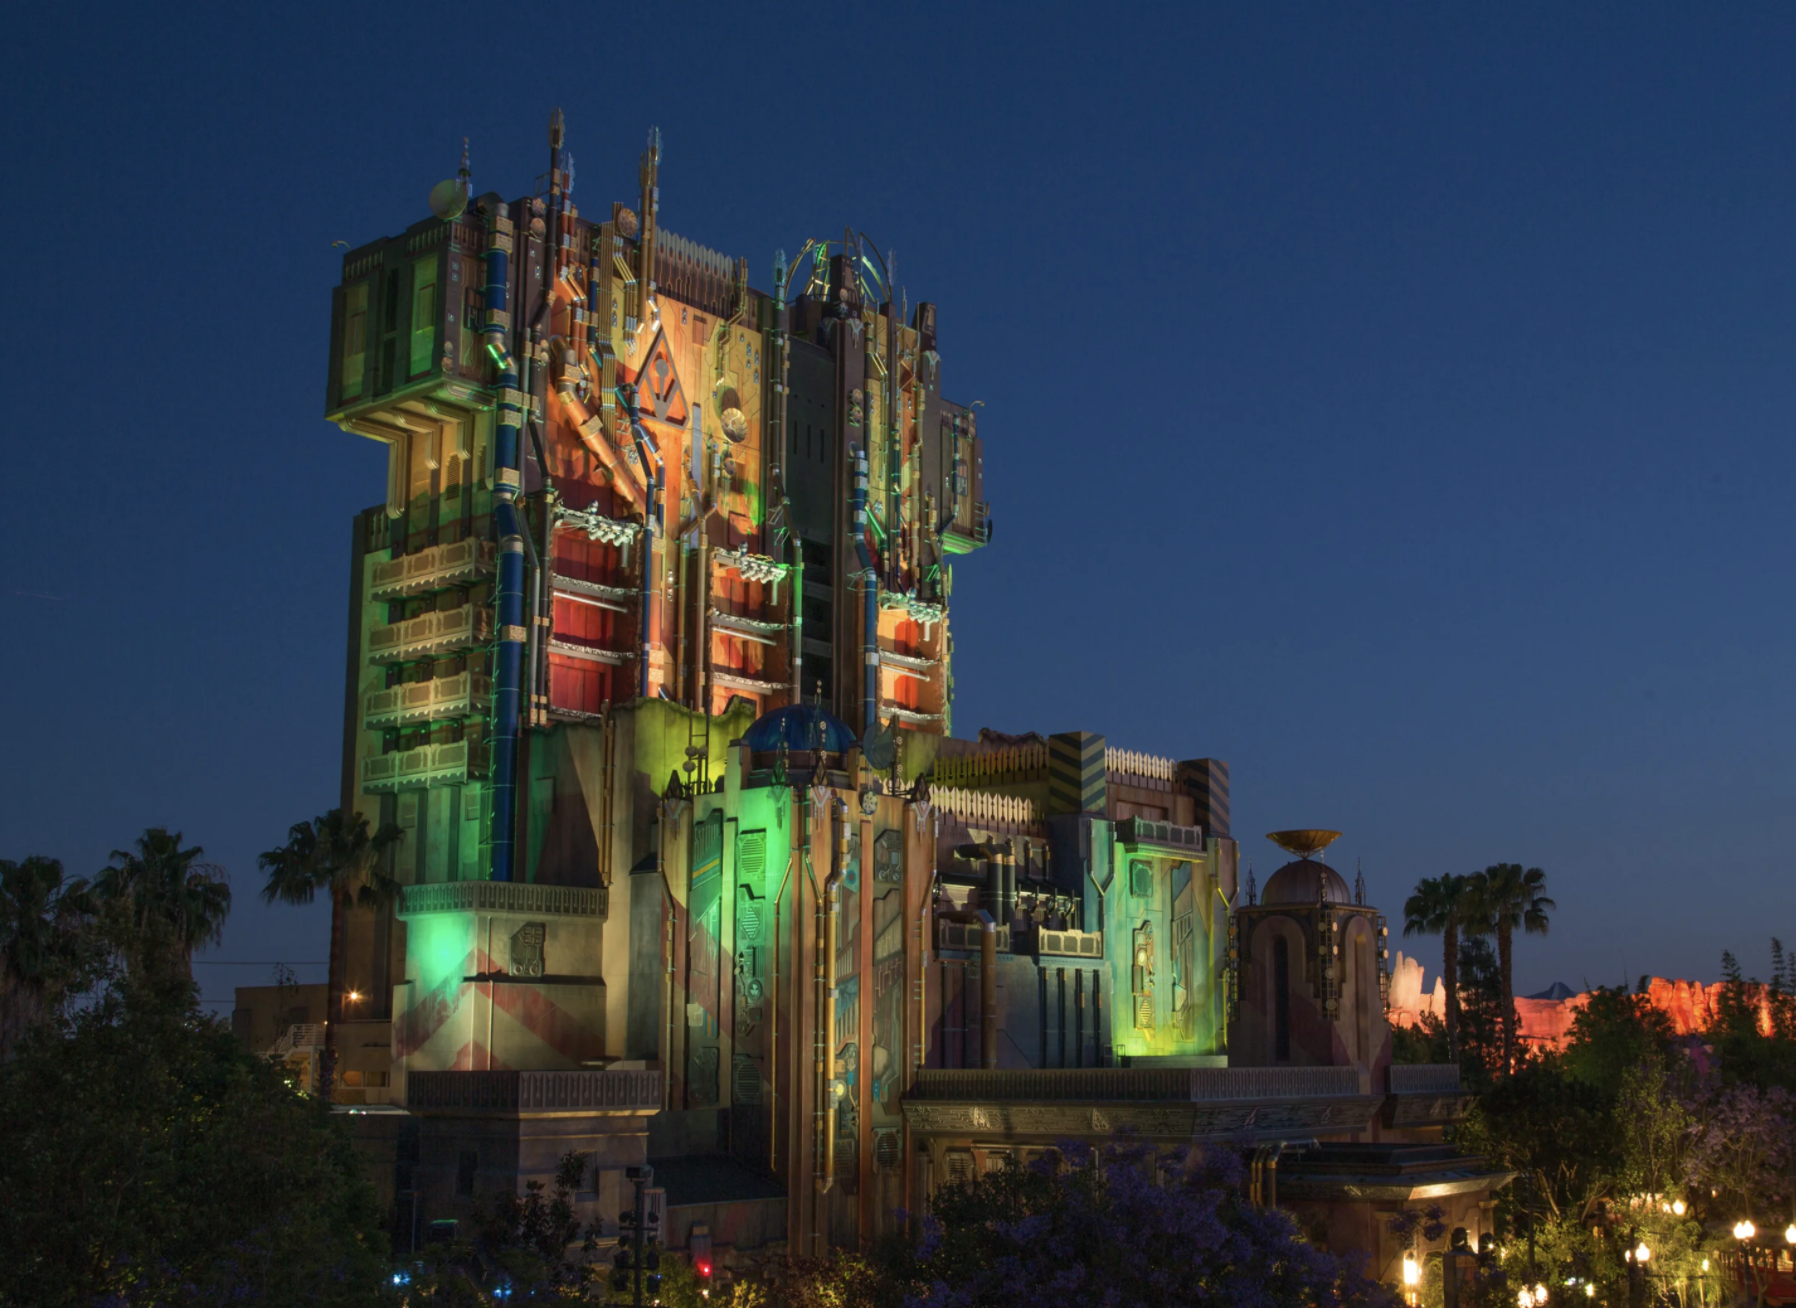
(1643, 1254)
(1677, 1207)
(1412, 1276)
(1744, 1230)
(1540, 1294)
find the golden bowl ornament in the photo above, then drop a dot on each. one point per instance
(1306, 843)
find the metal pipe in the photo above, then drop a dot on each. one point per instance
(823, 1048)
(647, 451)
(781, 390)
(870, 593)
(545, 583)
(509, 602)
(800, 810)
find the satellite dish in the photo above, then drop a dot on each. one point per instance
(449, 198)
(879, 746)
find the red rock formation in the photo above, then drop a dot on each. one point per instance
(1689, 1004)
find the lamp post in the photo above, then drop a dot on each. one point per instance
(1412, 1277)
(1744, 1230)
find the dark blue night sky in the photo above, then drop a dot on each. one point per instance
(1396, 402)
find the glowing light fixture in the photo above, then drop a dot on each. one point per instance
(1744, 1230)
(1643, 1254)
(1412, 1270)
(1540, 1294)
(1678, 1207)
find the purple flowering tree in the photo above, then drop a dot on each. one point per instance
(1124, 1227)
(1741, 1148)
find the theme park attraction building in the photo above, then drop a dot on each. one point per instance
(650, 664)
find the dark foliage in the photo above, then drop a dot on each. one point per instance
(148, 1158)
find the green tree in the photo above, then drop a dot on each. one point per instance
(1753, 1029)
(332, 855)
(1508, 897)
(516, 1252)
(1616, 1031)
(150, 1159)
(1439, 908)
(1480, 1012)
(48, 947)
(1557, 1132)
(163, 902)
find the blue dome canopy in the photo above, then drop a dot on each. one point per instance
(801, 728)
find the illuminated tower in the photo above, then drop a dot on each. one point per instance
(633, 505)
(649, 663)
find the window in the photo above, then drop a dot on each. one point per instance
(1141, 878)
(464, 1173)
(424, 315)
(1281, 1000)
(355, 338)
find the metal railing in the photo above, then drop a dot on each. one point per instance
(598, 1090)
(504, 897)
(1424, 1078)
(1140, 831)
(1165, 1084)
(301, 1035)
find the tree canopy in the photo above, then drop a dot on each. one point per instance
(165, 1164)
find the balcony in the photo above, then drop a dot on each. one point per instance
(1168, 835)
(441, 699)
(1425, 1094)
(1423, 1078)
(1069, 944)
(450, 764)
(442, 632)
(519, 897)
(1174, 1104)
(967, 935)
(909, 665)
(633, 1091)
(437, 568)
(1192, 1085)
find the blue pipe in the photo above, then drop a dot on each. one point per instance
(508, 481)
(870, 589)
(650, 454)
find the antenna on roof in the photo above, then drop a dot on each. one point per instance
(449, 197)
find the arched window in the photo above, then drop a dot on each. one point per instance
(1281, 1000)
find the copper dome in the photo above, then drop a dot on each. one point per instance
(1305, 881)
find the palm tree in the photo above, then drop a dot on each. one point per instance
(47, 949)
(1511, 897)
(169, 899)
(1441, 907)
(333, 854)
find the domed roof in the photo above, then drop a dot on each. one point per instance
(1305, 881)
(801, 728)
